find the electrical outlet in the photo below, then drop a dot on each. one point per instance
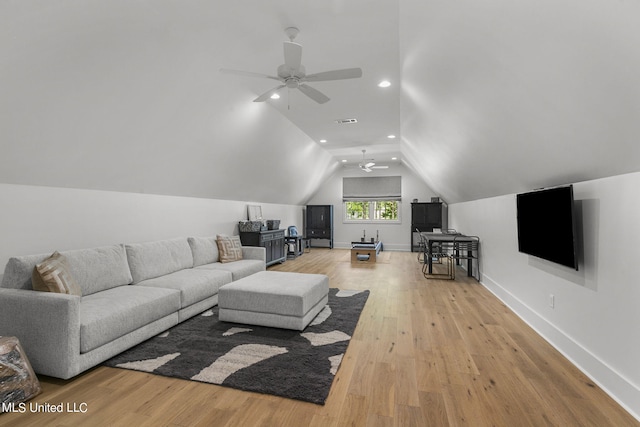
(552, 300)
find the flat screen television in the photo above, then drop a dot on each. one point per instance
(546, 225)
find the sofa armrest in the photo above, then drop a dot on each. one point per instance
(254, 252)
(47, 325)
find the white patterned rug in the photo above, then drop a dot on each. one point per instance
(292, 364)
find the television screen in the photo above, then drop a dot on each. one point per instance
(546, 225)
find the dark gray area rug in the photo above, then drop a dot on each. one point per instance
(294, 364)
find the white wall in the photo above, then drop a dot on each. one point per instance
(596, 318)
(393, 236)
(43, 219)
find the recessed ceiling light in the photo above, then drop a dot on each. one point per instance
(344, 160)
(394, 158)
(391, 136)
(275, 96)
(323, 140)
(384, 83)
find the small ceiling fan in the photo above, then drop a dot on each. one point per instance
(368, 165)
(292, 73)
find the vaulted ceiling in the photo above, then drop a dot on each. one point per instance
(486, 98)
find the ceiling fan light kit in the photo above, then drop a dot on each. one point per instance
(368, 165)
(292, 73)
(291, 32)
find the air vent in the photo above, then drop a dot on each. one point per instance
(345, 121)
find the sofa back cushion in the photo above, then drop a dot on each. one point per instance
(99, 269)
(18, 271)
(204, 250)
(154, 259)
(94, 269)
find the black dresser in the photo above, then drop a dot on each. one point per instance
(426, 217)
(271, 240)
(320, 223)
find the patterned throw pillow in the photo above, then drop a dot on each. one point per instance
(229, 247)
(54, 275)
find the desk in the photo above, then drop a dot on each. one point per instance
(456, 243)
(296, 243)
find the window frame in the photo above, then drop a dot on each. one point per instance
(371, 211)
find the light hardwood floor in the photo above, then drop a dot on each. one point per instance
(425, 353)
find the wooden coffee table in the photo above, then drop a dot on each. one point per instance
(365, 252)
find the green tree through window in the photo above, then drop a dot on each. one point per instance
(357, 210)
(378, 211)
(385, 210)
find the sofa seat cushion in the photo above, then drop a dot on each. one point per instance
(110, 314)
(238, 269)
(194, 284)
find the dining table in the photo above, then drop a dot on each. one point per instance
(460, 245)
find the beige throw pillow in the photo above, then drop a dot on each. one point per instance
(229, 247)
(54, 275)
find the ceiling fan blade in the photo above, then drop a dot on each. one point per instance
(368, 165)
(248, 74)
(292, 55)
(347, 73)
(268, 94)
(380, 167)
(314, 94)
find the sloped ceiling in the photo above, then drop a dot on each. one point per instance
(127, 96)
(500, 97)
(486, 98)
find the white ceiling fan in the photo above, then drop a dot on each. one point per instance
(368, 165)
(292, 73)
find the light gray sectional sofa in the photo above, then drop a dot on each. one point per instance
(130, 293)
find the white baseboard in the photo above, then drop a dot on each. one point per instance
(615, 385)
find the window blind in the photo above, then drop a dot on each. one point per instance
(372, 188)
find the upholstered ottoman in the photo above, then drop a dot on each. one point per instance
(274, 298)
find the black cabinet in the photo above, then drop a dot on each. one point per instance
(271, 240)
(320, 223)
(426, 217)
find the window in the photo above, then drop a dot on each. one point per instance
(372, 211)
(357, 211)
(386, 211)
